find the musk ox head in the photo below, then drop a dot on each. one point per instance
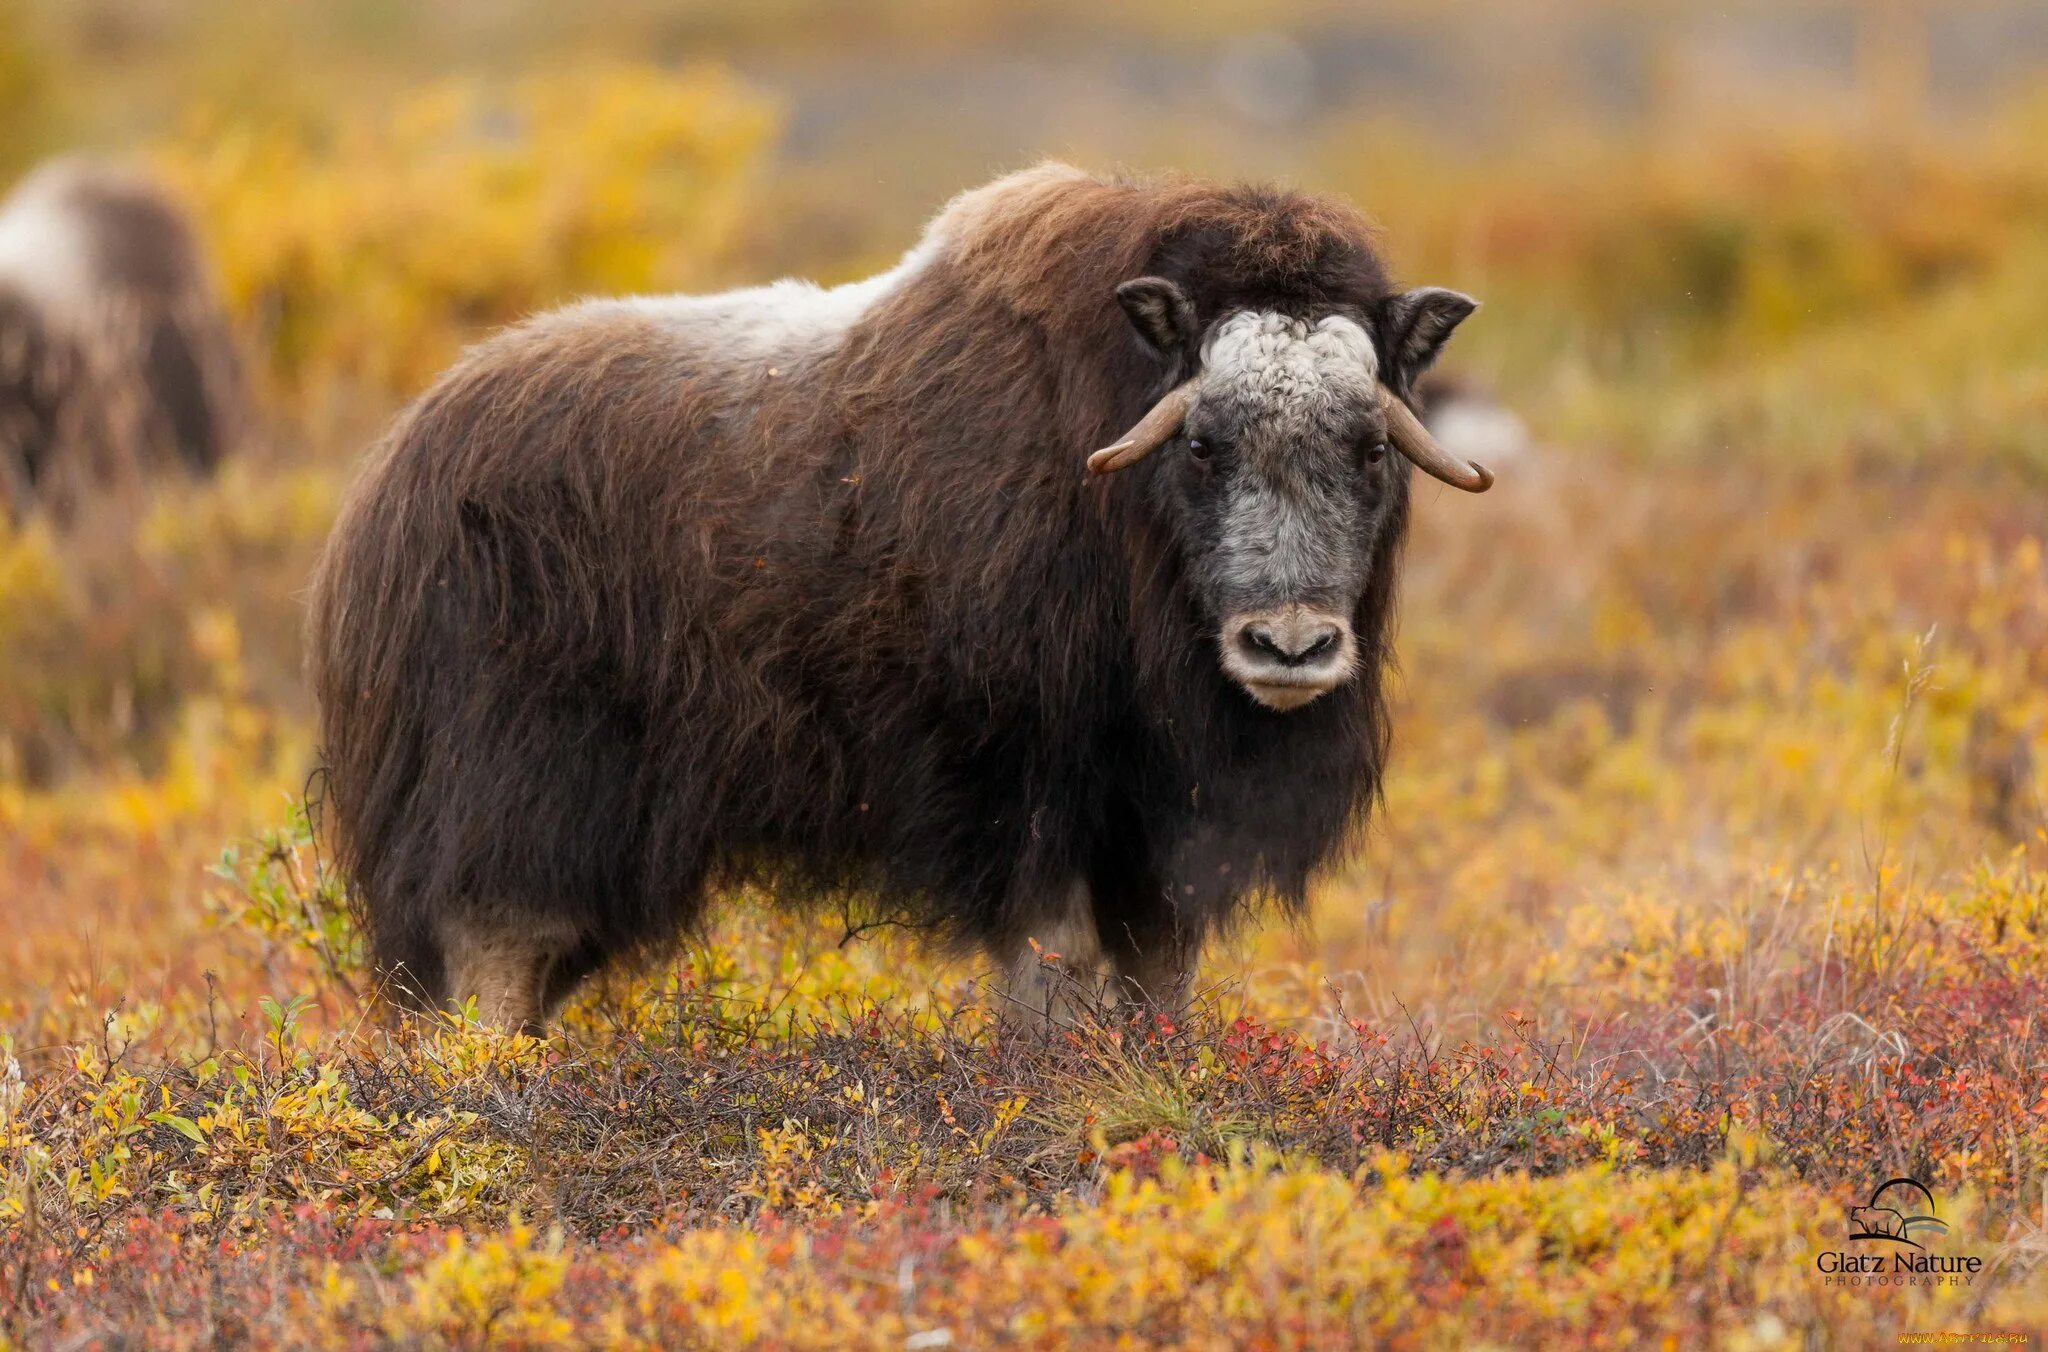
(1280, 481)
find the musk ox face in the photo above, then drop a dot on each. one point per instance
(1282, 487)
(1278, 476)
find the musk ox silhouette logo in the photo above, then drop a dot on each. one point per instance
(1892, 1214)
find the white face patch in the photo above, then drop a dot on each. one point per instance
(1293, 506)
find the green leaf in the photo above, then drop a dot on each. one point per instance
(184, 1126)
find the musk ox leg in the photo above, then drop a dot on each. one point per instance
(1142, 930)
(1050, 984)
(504, 964)
(1161, 974)
(566, 973)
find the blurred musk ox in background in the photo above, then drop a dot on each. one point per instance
(809, 589)
(115, 359)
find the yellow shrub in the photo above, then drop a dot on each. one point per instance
(364, 247)
(499, 1290)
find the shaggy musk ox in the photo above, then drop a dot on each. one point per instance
(809, 589)
(115, 360)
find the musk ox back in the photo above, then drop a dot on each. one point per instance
(115, 361)
(809, 589)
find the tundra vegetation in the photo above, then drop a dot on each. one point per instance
(1711, 888)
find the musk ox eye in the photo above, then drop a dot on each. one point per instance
(1375, 450)
(1198, 448)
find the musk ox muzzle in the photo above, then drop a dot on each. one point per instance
(1286, 657)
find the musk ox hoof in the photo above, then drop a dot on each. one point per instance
(1056, 998)
(510, 969)
(1070, 986)
(1053, 977)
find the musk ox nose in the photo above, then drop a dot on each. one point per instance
(1291, 645)
(1287, 656)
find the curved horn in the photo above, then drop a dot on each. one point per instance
(1154, 430)
(1413, 440)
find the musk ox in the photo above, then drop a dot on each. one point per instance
(115, 361)
(809, 589)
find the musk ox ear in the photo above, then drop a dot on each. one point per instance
(1414, 326)
(1162, 314)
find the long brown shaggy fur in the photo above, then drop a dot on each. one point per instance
(126, 370)
(614, 619)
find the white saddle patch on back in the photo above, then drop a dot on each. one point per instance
(46, 251)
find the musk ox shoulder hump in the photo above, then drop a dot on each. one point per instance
(792, 319)
(789, 320)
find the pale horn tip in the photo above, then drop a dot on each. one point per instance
(1109, 459)
(1413, 440)
(1153, 430)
